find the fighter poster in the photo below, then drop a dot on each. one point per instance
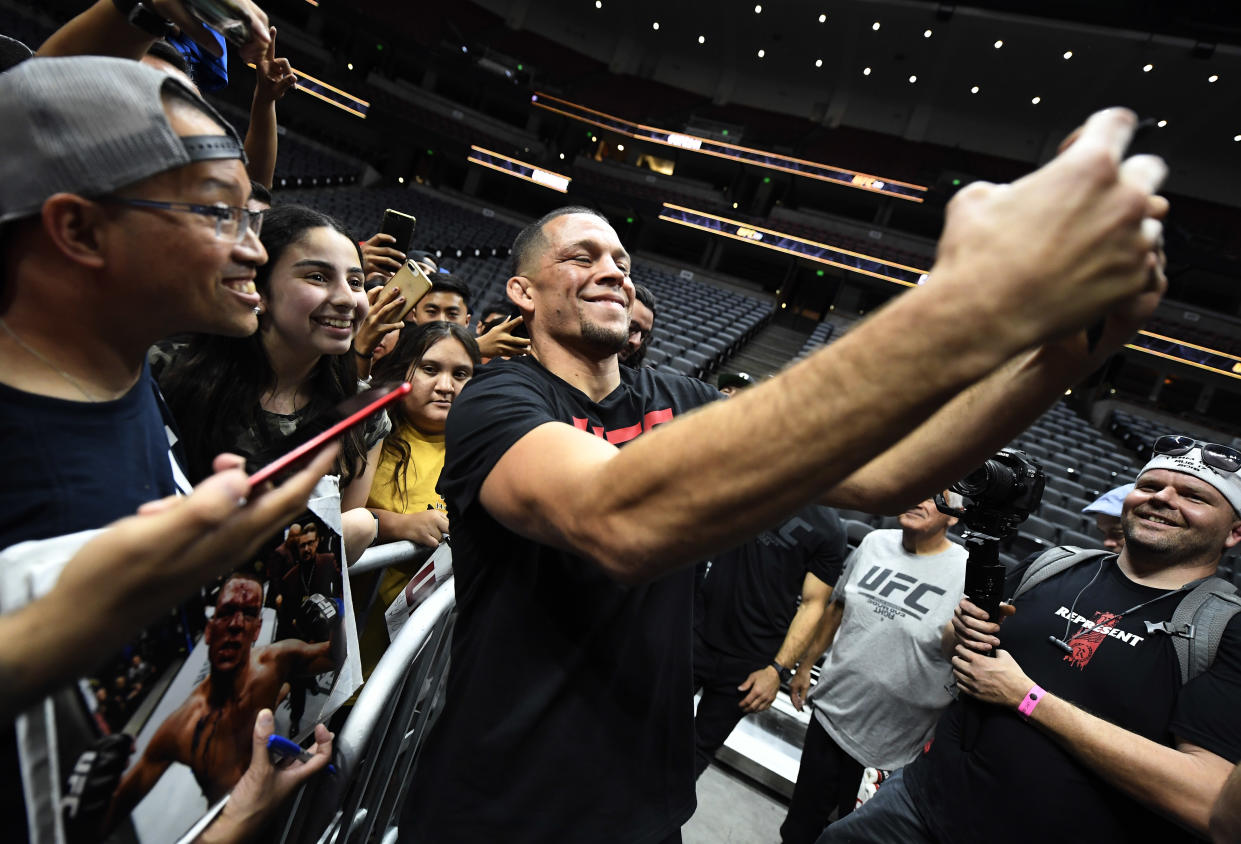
(146, 744)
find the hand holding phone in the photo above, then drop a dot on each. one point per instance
(305, 443)
(413, 285)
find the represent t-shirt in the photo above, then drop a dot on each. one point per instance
(885, 681)
(1017, 778)
(750, 592)
(569, 709)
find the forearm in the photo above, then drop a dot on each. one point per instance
(262, 141)
(98, 31)
(726, 471)
(824, 634)
(1180, 785)
(801, 630)
(964, 432)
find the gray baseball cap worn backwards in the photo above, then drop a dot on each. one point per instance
(88, 125)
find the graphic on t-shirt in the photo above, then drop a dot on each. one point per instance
(786, 536)
(1086, 643)
(624, 435)
(879, 585)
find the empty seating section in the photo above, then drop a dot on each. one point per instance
(821, 336)
(299, 163)
(1080, 464)
(697, 326)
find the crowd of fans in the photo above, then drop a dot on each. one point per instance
(165, 329)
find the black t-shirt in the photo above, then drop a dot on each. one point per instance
(1018, 784)
(568, 712)
(750, 592)
(71, 466)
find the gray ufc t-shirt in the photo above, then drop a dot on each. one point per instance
(884, 683)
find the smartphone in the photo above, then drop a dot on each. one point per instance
(413, 284)
(224, 16)
(313, 436)
(400, 226)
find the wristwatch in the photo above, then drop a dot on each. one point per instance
(786, 674)
(143, 18)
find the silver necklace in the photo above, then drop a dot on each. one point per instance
(77, 384)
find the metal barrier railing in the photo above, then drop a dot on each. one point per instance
(379, 742)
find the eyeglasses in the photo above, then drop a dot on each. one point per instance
(231, 222)
(1222, 457)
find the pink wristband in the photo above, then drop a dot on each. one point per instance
(1030, 700)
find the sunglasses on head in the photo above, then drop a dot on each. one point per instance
(1222, 457)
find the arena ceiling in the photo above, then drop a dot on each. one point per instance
(1004, 77)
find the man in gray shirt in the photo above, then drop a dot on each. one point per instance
(898, 590)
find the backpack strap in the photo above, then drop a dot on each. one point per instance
(1198, 624)
(1053, 561)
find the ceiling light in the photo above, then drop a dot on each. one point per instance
(866, 71)
(1162, 123)
(702, 39)
(620, 147)
(762, 53)
(974, 90)
(1036, 100)
(818, 63)
(400, 180)
(822, 18)
(1213, 77)
(913, 79)
(758, 10)
(999, 44)
(655, 25)
(350, 65)
(1068, 54)
(1236, 137)
(875, 26)
(926, 34)
(734, 205)
(598, 4)
(1147, 68)
(562, 156)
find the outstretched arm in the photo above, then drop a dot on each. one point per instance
(1031, 262)
(1181, 782)
(136, 570)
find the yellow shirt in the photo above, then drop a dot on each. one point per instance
(422, 473)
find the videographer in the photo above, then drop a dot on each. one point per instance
(1103, 717)
(897, 591)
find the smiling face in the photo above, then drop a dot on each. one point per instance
(170, 263)
(436, 380)
(1178, 515)
(578, 286)
(315, 298)
(234, 627)
(440, 305)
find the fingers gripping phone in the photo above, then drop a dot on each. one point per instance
(400, 226)
(307, 441)
(413, 284)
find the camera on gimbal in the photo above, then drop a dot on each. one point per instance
(998, 495)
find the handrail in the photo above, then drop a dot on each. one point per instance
(388, 554)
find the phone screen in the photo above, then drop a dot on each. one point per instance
(312, 436)
(400, 226)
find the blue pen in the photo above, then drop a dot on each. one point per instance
(282, 748)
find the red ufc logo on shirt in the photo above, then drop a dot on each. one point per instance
(624, 435)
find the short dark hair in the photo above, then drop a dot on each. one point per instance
(165, 52)
(645, 296)
(445, 283)
(530, 239)
(259, 192)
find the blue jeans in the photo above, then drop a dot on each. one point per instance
(890, 816)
